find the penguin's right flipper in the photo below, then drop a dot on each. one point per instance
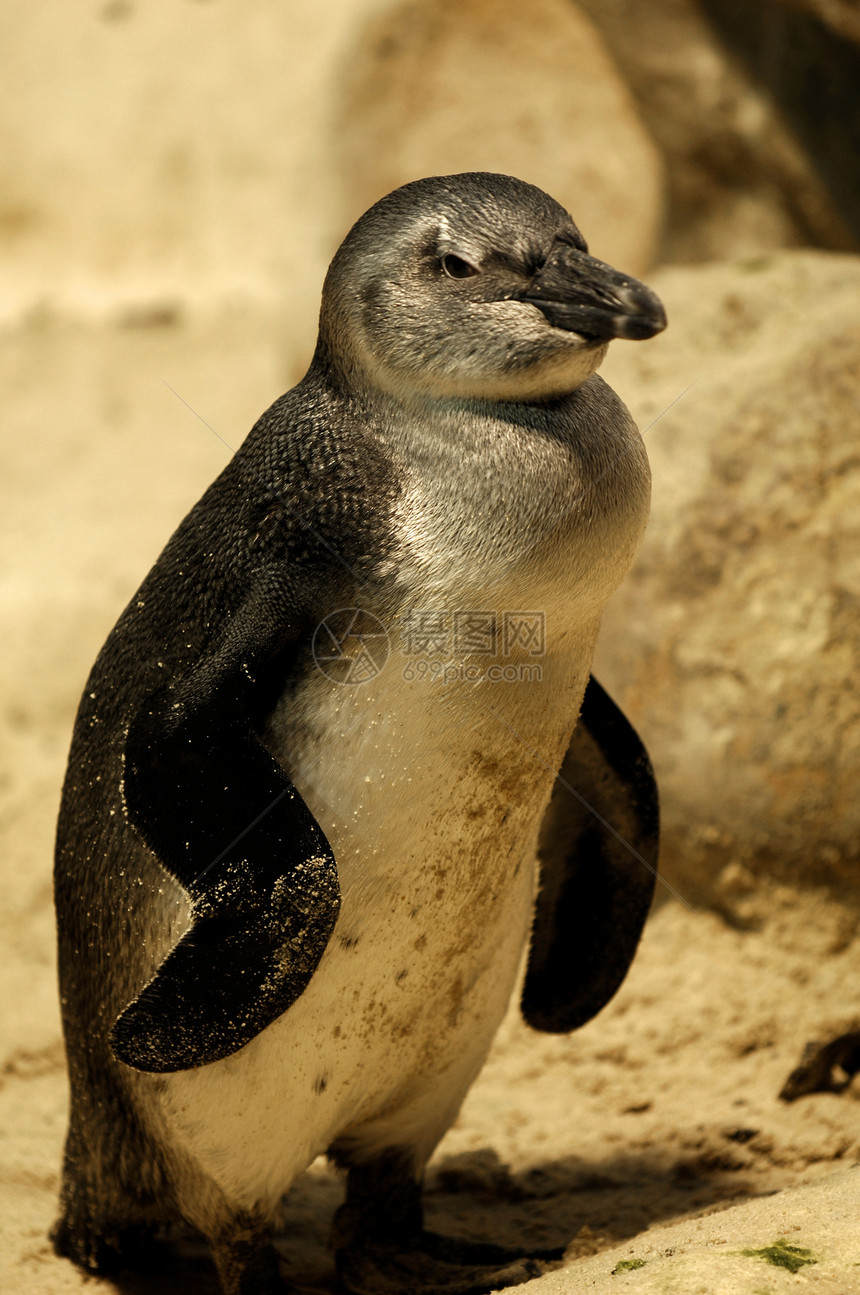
(598, 865)
(222, 817)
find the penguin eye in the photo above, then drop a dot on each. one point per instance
(456, 268)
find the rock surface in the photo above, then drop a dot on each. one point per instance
(757, 1248)
(811, 74)
(842, 15)
(156, 155)
(439, 86)
(735, 643)
(739, 180)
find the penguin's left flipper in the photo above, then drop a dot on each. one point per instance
(217, 809)
(598, 852)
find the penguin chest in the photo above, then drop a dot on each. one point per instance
(431, 794)
(430, 780)
(431, 815)
(431, 804)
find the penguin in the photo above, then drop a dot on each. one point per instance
(341, 767)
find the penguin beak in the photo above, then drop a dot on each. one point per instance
(582, 295)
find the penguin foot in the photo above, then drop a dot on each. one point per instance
(434, 1265)
(247, 1263)
(381, 1247)
(100, 1250)
(458, 1250)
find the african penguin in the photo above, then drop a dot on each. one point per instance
(341, 762)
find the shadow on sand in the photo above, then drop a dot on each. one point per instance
(474, 1195)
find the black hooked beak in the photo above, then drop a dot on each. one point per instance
(583, 295)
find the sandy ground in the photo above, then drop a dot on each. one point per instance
(627, 1141)
(655, 1134)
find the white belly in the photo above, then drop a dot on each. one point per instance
(431, 796)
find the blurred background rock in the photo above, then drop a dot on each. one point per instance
(173, 180)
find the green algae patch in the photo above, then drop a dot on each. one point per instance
(782, 1255)
(628, 1266)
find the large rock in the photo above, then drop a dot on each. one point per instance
(740, 180)
(842, 16)
(735, 643)
(811, 73)
(749, 1248)
(168, 152)
(494, 85)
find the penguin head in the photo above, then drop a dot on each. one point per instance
(475, 286)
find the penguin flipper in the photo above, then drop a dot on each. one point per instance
(598, 865)
(217, 809)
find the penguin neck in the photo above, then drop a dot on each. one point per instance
(546, 500)
(546, 496)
